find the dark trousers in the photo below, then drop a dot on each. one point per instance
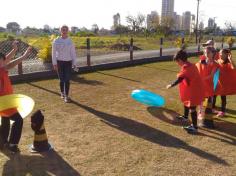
(223, 102)
(193, 114)
(64, 71)
(16, 129)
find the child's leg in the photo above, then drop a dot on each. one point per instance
(194, 116)
(223, 103)
(5, 128)
(16, 128)
(214, 102)
(208, 109)
(185, 116)
(186, 111)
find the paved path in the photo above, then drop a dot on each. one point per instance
(37, 65)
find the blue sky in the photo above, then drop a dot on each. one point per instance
(36, 13)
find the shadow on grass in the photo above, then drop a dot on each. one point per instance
(225, 126)
(148, 133)
(143, 131)
(157, 68)
(231, 111)
(166, 115)
(169, 116)
(120, 77)
(49, 163)
(42, 88)
(82, 80)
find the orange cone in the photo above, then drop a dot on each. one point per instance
(40, 143)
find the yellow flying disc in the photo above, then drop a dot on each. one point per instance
(22, 103)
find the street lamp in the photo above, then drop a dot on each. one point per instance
(197, 22)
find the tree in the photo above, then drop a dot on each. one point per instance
(167, 24)
(136, 23)
(121, 29)
(13, 27)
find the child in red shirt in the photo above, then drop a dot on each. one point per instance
(190, 88)
(10, 114)
(227, 80)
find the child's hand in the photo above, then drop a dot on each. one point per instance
(75, 68)
(168, 86)
(230, 57)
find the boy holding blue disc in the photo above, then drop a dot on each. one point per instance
(10, 114)
(191, 88)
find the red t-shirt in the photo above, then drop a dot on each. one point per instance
(205, 71)
(227, 79)
(191, 89)
(6, 89)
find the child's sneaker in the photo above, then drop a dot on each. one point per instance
(182, 118)
(190, 129)
(220, 114)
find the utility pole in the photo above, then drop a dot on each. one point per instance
(197, 22)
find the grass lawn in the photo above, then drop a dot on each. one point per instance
(105, 132)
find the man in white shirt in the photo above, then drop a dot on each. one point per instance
(63, 58)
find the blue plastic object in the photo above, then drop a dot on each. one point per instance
(148, 98)
(216, 78)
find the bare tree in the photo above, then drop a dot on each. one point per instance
(136, 23)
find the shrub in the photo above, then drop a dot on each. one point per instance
(230, 41)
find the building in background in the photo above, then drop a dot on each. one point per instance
(201, 26)
(152, 20)
(186, 21)
(116, 20)
(167, 9)
(178, 22)
(211, 23)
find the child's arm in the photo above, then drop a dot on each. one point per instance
(18, 60)
(231, 61)
(12, 53)
(176, 82)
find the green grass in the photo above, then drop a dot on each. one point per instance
(105, 132)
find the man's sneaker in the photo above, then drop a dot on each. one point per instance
(190, 129)
(67, 99)
(182, 118)
(13, 148)
(220, 114)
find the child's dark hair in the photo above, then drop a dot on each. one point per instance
(211, 49)
(2, 56)
(225, 51)
(180, 55)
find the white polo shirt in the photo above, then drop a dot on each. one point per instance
(63, 50)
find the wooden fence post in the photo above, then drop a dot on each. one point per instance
(20, 69)
(131, 49)
(161, 45)
(88, 52)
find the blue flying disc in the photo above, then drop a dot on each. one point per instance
(148, 98)
(216, 78)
